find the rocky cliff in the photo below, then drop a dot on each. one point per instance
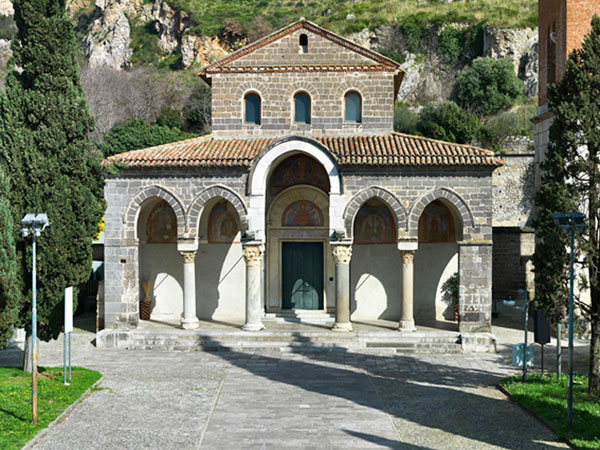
(107, 32)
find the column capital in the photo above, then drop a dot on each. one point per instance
(342, 253)
(188, 257)
(252, 254)
(408, 256)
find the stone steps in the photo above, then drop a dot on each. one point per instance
(301, 316)
(376, 342)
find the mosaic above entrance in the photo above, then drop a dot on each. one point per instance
(302, 213)
(299, 169)
(436, 224)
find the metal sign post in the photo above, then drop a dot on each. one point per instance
(558, 350)
(34, 225)
(526, 311)
(570, 223)
(68, 331)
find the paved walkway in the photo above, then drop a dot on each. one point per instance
(235, 400)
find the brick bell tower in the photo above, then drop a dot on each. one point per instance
(562, 25)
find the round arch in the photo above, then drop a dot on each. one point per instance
(396, 207)
(456, 203)
(217, 191)
(132, 211)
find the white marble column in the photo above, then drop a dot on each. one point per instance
(342, 253)
(253, 256)
(189, 320)
(407, 320)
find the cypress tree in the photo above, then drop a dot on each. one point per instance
(44, 148)
(571, 182)
(9, 298)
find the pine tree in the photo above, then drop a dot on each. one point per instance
(9, 298)
(571, 182)
(46, 152)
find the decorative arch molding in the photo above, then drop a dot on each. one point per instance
(396, 207)
(295, 193)
(302, 86)
(132, 211)
(267, 160)
(217, 191)
(348, 86)
(467, 222)
(245, 88)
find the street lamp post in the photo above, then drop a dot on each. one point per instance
(570, 222)
(34, 225)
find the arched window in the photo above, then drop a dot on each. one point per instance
(353, 107)
(374, 224)
(252, 109)
(303, 42)
(436, 224)
(301, 108)
(161, 225)
(222, 226)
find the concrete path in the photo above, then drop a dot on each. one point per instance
(231, 400)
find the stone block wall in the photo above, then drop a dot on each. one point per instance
(512, 268)
(326, 91)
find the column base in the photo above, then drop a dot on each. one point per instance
(190, 324)
(407, 325)
(253, 327)
(342, 326)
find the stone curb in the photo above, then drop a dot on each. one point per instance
(534, 415)
(61, 416)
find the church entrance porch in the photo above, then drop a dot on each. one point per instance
(302, 275)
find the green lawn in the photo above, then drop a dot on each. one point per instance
(54, 397)
(547, 396)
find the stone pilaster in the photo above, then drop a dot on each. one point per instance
(407, 320)
(189, 321)
(253, 254)
(475, 284)
(342, 253)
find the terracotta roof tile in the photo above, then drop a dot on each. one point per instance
(395, 149)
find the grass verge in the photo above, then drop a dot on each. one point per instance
(54, 397)
(547, 397)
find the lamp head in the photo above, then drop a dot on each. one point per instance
(41, 221)
(27, 220)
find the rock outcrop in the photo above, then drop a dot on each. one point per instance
(108, 39)
(520, 46)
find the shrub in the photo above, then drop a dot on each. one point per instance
(136, 134)
(405, 120)
(170, 117)
(488, 86)
(499, 127)
(197, 109)
(413, 32)
(460, 43)
(448, 122)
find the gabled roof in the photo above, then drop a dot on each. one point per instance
(383, 63)
(395, 149)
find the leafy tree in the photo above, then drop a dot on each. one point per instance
(487, 86)
(405, 120)
(45, 152)
(136, 134)
(571, 181)
(9, 297)
(448, 122)
(170, 117)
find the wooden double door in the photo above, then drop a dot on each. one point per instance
(302, 275)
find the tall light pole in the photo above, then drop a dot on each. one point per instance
(570, 223)
(34, 225)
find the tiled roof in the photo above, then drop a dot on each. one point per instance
(395, 149)
(219, 65)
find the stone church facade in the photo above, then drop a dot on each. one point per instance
(302, 198)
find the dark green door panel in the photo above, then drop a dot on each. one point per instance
(302, 273)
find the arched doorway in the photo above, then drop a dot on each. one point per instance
(220, 272)
(376, 283)
(436, 261)
(160, 267)
(298, 257)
